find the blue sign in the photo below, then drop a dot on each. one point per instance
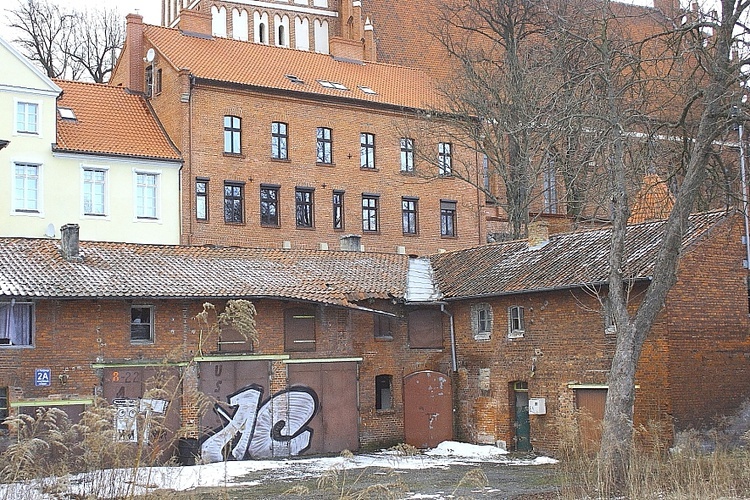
(42, 377)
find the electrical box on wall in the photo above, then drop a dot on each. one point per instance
(537, 406)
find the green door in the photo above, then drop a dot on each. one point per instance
(523, 428)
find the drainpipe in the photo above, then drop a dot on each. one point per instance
(743, 183)
(454, 359)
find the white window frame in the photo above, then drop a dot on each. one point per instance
(476, 321)
(7, 341)
(516, 322)
(24, 132)
(23, 210)
(105, 202)
(136, 196)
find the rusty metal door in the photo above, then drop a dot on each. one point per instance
(336, 424)
(219, 379)
(126, 386)
(428, 409)
(590, 406)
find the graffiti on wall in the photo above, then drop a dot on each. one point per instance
(276, 427)
(126, 417)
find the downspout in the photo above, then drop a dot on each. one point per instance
(454, 359)
(190, 186)
(746, 216)
(480, 212)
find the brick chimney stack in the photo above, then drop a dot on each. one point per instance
(196, 22)
(351, 243)
(134, 52)
(538, 233)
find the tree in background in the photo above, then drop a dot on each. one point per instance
(68, 43)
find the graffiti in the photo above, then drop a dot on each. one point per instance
(276, 428)
(126, 417)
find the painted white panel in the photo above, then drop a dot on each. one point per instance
(302, 33)
(321, 36)
(219, 21)
(239, 25)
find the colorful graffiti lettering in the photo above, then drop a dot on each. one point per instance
(276, 428)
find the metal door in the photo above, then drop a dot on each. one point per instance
(590, 406)
(522, 424)
(335, 426)
(428, 409)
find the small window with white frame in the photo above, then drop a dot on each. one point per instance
(516, 325)
(27, 117)
(27, 188)
(16, 323)
(141, 324)
(146, 195)
(94, 191)
(481, 321)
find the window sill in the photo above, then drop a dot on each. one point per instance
(368, 169)
(377, 231)
(234, 223)
(15, 346)
(448, 237)
(515, 335)
(239, 156)
(305, 228)
(281, 160)
(141, 342)
(410, 235)
(385, 411)
(446, 176)
(481, 337)
(407, 172)
(321, 164)
(384, 338)
(270, 226)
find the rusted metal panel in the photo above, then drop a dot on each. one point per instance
(220, 379)
(428, 409)
(590, 406)
(335, 426)
(425, 329)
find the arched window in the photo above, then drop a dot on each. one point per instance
(282, 36)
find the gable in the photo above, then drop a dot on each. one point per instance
(20, 74)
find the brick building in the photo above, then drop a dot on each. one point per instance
(290, 148)
(502, 342)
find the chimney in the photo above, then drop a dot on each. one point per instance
(538, 233)
(351, 243)
(370, 49)
(69, 242)
(134, 52)
(195, 22)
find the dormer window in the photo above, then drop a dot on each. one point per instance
(66, 114)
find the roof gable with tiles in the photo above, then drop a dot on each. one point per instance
(110, 121)
(569, 260)
(268, 67)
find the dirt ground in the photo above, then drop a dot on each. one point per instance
(462, 481)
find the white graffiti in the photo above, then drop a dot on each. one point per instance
(277, 428)
(126, 421)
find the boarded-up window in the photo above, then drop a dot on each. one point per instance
(231, 340)
(425, 329)
(383, 327)
(299, 329)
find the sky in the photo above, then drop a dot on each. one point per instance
(115, 483)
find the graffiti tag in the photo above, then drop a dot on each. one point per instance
(276, 428)
(126, 422)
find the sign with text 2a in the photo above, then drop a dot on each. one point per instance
(42, 377)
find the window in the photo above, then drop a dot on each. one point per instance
(338, 210)
(409, 215)
(94, 191)
(279, 141)
(232, 128)
(281, 40)
(142, 324)
(481, 321)
(369, 212)
(149, 80)
(367, 150)
(16, 323)
(145, 195)
(233, 202)
(299, 329)
(445, 161)
(407, 154)
(383, 392)
(201, 199)
(157, 82)
(550, 187)
(447, 218)
(324, 145)
(383, 327)
(269, 205)
(4, 406)
(27, 118)
(303, 204)
(516, 325)
(26, 189)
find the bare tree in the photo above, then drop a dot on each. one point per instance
(68, 43)
(45, 35)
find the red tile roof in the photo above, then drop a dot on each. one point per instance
(568, 260)
(110, 121)
(259, 65)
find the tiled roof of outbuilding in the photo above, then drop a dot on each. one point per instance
(36, 268)
(259, 65)
(568, 260)
(110, 121)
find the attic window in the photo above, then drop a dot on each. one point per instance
(367, 90)
(66, 114)
(332, 85)
(295, 79)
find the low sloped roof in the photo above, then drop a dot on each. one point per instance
(32, 268)
(568, 260)
(265, 66)
(110, 121)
